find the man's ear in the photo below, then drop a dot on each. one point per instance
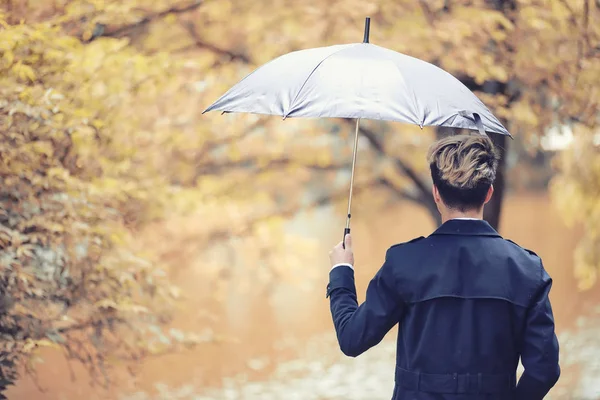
(489, 194)
(436, 194)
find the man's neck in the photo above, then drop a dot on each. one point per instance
(452, 214)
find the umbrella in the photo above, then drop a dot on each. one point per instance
(359, 81)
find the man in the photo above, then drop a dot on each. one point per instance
(469, 303)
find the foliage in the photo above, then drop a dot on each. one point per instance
(75, 181)
(97, 142)
(577, 193)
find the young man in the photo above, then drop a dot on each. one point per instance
(469, 303)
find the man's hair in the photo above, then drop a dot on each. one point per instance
(463, 167)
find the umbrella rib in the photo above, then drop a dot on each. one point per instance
(291, 107)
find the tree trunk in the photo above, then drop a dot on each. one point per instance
(493, 209)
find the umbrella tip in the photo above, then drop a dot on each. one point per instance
(367, 29)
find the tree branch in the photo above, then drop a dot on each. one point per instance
(406, 169)
(403, 194)
(427, 12)
(125, 30)
(288, 212)
(210, 146)
(424, 197)
(586, 23)
(191, 28)
(421, 198)
(218, 168)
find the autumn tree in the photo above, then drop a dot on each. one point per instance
(97, 141)
(81, 172)
(69, 194)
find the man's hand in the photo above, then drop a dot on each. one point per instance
(339, 255)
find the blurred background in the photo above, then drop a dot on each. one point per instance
(151, 252)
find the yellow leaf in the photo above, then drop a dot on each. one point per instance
(135, 308)
(29, 345)
(58, 172)
(44, 148)
(98, 123)
(87, 33)
(170, 18)
(32, 344)
(8, 57)
(234, 153)
(26, 73)
(46, 343)
(117, 238)
(106, 303)
(25, 250)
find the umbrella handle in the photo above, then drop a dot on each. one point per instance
(346, 232)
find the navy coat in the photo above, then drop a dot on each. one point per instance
(468, 303)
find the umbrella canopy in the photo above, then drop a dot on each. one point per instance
(359, 80)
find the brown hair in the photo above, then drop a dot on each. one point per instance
(463, 167)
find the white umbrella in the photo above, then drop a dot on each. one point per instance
(359, 80)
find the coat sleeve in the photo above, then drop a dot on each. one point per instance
(539, 354)
(359, 328)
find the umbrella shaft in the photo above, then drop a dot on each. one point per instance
(352, 174)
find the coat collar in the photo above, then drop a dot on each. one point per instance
(466, 227)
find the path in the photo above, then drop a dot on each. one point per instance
(323, 373)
